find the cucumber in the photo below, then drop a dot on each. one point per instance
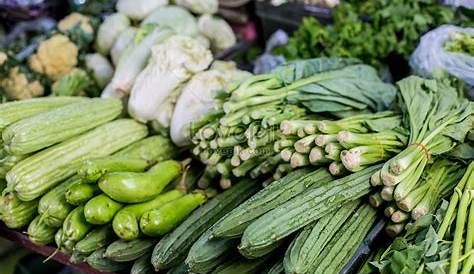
(58, 238)
(179, 269)
(173, 248)
(206, 254)
(92, 170)
(53, 206)
(344, 244)
(162, 220)
(75, 228)
(234, 223)
(97, 238)
(125, 222)
(126, 251)
(99, 262)
(253, 252)
(16, 213)
(79, 194)
(152, 149)
(40, 233)
(307, 207)
(133, 187)
(101, 210)
(77, 258)
(277, 268)
(312, 240)
(242, 266)
(142, 266)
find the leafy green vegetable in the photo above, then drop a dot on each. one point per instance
(370, 30)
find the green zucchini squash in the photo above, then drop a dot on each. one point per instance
(53, 205)
(58, 238)
(132, 187)
(307, 207)
(77, 258)
(8, 162)
(125, 222)
(98, 238)
(312, 240)
(37, 174)
(179, 269)
(40, 233)
(142, 266)
(75, 228)
(127, 251)
(174, 246)
(52, 127)
(97, 261)
(277, 268)
(79, 194)
(12, 112)
(16, 213)
(162, 220)
(234, 223)
(101, 209)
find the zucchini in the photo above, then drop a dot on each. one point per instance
(79, 194)
(312, 240)
(234, 223)
(206, 254)
(48, 128)
(137, 157)
(40, 233)
(253, 252)
(127, 251)
(133, 187)
(242, 266)
(77, 258)
(179, 269)
(8, 162)
(174, 246)
(162, 220)
(75, 228)
(346, 241)
(99, 237)
(125, 222)
(98, 261)
(58, 238)
(37, 174)
(142, 266)
(101, 210)
(307, 207)
(16, 213)
(277, 268)
(53, 205)
(12, 112)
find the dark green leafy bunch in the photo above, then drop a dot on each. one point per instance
(371, 30)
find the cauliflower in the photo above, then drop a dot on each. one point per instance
(100, 68)
(156, 87)
(217, 31)
(200, 6)
(139, 9)
(17, 86)
(74, 19)
(55, 57)
(109, 31)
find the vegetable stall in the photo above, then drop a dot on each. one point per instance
(127, 146)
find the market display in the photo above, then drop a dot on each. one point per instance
(187, 164)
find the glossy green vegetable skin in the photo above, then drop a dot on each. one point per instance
(75, 228)
(15, 213)
(40, 233)
(127, 251)
(125, 222)
(99, 262)
(49, 128)
(93, 170)
(130, 187)
(174, 247)
(242, 266)
(97, 238)
(37, 174)
(53, 206)
(162, 220)
(101, 209)
(78, 194)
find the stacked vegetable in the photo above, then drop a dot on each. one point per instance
(243, 137)
(79, 176)
(440, 243)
